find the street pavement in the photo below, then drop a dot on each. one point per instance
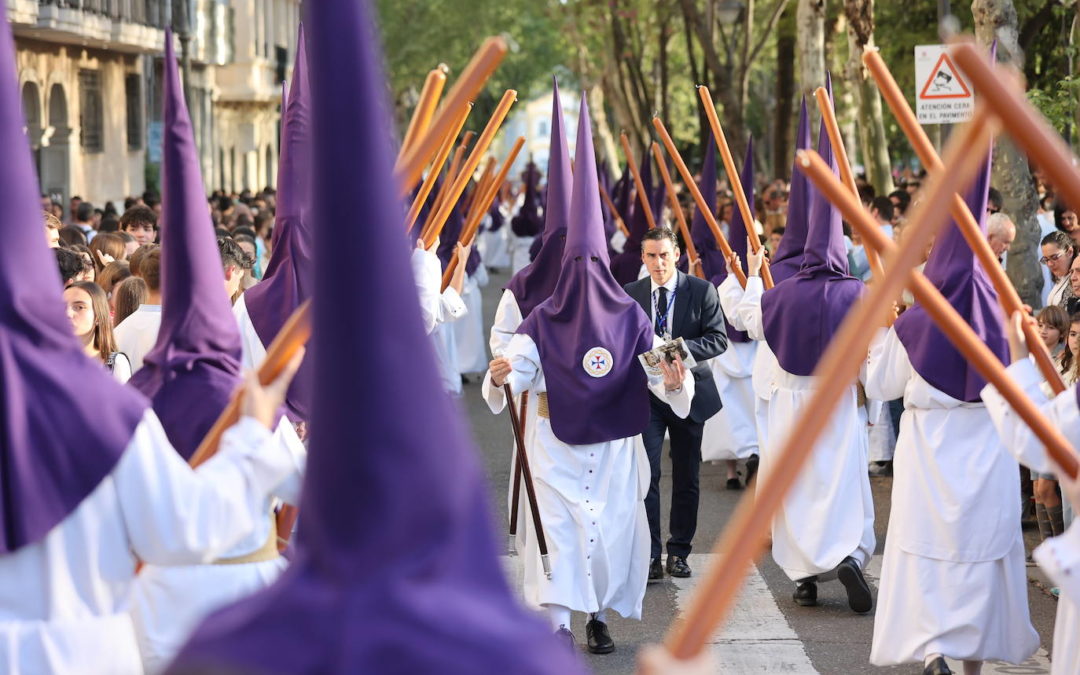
(767, 632)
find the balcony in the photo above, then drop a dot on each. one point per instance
(132, 26)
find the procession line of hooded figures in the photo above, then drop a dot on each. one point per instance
(394, 566)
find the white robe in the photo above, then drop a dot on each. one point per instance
(591, 500)
(953, 580)
(764, 368)
(829, 513)
(732, 432)
(1057, 556)
(436, 305)
(519, 252)
(169, 602)
(64, 599)
(494, 246)
(469, 332)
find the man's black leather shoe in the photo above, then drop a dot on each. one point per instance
(600, 641)
(858, 591)
(806, 593)
(938, 667)
(567, 637)
(751, 468)
(677, 567)
(656, 570)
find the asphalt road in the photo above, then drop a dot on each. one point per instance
(768, 632)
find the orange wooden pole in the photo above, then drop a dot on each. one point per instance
(688, 180)
(471, 201)
(411, 165)
(436, 169)
(676, 208)
(951, 323)
(965, 220)
(292, 337)
(433, 229)
(451, 173)
(735, 180)
(744, 538)
(425, 107)
(642, 195)
(614, 212)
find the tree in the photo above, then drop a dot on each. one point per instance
(784, 128)
(871, 125)
(997, 19)
(810, 44)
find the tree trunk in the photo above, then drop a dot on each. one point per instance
(784, 130)
(810, 44)
(996, 19)
(603, 129)
(874, 144)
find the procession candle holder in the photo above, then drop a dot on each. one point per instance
(425, 107)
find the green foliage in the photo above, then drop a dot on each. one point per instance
(1057, 102)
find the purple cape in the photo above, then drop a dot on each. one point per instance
(953, 269)
(528, 222)
(64, 420)
(448, 240)
(194, 367)
(535, 282)
(627, 265)
(788, 258)
(395, 537)
(738, 231)
(801, 313)
(286, 284)
(590, 312)
(712, 258)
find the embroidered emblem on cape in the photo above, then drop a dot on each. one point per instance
(597, 362)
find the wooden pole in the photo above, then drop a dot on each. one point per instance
(451, 174)
(425, 107)
(965, 220)
(436, 169)
(676, 208)
(292, 337)
(468, 233)
(951, 323)
(411, 165)
(432, 230)
(482, 185)
(744, 538)
(735, 180)
(526, 474)
(828, 117)
(614, 212)
(642, 195)
(688, 179)
(515, 498)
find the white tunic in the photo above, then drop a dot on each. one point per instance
(829, 513)
(64, 600)
(436, 305)
(591, 500)
(953, 580)
(495, 246)
(1057, 556)
(469, 332)
(137, 334)
(519, 252)
(746, 305)
(732, 432)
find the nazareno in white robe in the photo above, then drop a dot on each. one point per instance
(953, 579)
(1060, 556)
(764, 368)
(169, 602)
(64, 599)
(494, 246)
(829, 513)
(732, 432)
(591, 500)
(469, 331)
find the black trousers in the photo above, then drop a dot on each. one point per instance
(685, 469)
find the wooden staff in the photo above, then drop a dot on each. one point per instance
(744, 538)
(431, 232)
(965, 220)
(688, 179)
(436, 168)
(828, 117)
(425, 107)
(951, 323)
(468, 233)
(614, 212)
(411, 165)
(471, 202)
(292, 337)
(735, 180)
(451, 174)
(530, 488)
(642, 195)
(676, 208)
(515, 498)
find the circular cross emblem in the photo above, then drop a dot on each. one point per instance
(597, 362)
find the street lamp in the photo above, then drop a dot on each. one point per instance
(728, 11)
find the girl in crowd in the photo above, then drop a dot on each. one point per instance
(1062, 337)
(126, 298)
(88, 310)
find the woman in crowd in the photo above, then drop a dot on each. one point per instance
(88, 310)
(126, 298)
(1058, 252)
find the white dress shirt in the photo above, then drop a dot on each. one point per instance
(137, 334)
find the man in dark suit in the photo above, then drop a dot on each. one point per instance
(687, 307)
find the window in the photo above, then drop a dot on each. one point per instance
(91, 111)
(133, 99)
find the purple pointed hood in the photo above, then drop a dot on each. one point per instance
(194, 367)
(801, 313)
(449, 237)
(528, 222)
(590, 332)
(64, 420)
(286, 284)
(788, 258)
(712, 258)
(395, 537)
(536, 281)
(627, 265)
(738, 230)
(953, 269)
